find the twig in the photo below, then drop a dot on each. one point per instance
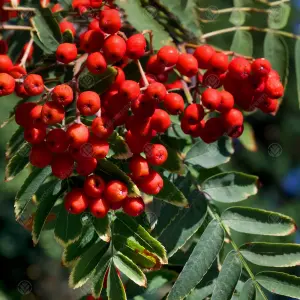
(16, 27)
(275, 3)
(232, 9)
(150, 33)
(146, 82)
(19, 8)
(26, 54)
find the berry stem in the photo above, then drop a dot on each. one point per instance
(19, 8)
(146, 82)
(187, 92)
(26, 54)
(150, 33)
(232, 9)
(16, 27)
(275, 3)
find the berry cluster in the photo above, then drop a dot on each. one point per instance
(142, 108)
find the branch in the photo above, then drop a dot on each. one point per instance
(275, 3)
(146, 82)
(25, 56)
(16, 27)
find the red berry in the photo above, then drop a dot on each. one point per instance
(156, 154)
(193, 130)
(268, 105)
(35, 135)
(136, 143)
(237, 132)
(76, 202)
(22, 114)
(110, 21)
(52, 113)
(211, 99)
(40, 156)
(154, 66)
(57, 140)
(203, 54)
(116, 205)
(94, 25)
(88, 103)
(66, 53)
(273, 74)
(261, 67)
(34, 84)
(138, 125)
(151, 78)
(99, 207)
(232, 118)
(187, 65)
(129, 90)
(274, 88)
(86, 166)
(100, 148)
(134, 206)
(102, 127)
(174, 103)
(115, 191)
(212, 130)
(56, 8)
(136, 46)
(139, 166)
(7, 84)
(78, 134)
(119, 79)
(92, 41)
(240, 68)
(227, 101)
(20, 90)
(62, 94)
(96, 63)
(94, 186)
(35, 116)
(62, 165)
(194, 113)
(114, 48)
(5, 63)
(160, 121)
(152, 184)
(156, 92)
(213, 79)
(168, 56)
(65, 25)
(17, 72)
(143, 108)
(219, 62)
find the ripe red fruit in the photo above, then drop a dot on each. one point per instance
(194, 113)
(88, 103)
(62, 165)
(240, 68)
(110, 21)
(100, 148)
(22, 114)
(102, 127)
(94, 186)
(119, 79)
(115, 191)
(136, 143)
(92, 41)
(78, 134)
(193, 130)
(156, 92)
(154, 66)
(261, 67)
(76, 4)
(76, 202)
(94, 25)
(66, 53)
(57, 140)
(129, 90)
(34, 84)
(20, 90)
(35, 116)
(96, 63)
(168, 56)
(268, 105)
(65, 25)
(211, 99)
(7, 84)
(5, 63)
(133, 206)
(35, 135)
(116, 205)
(138, 125)
(160, 121)
(213, 79)
(17, 72)
(143, 108)
(114, 48)
(237, 132)
(232, 118)
(187, 65)
(62, 94)
(52, 113)
(99, 207)
(136, 46)
(227, 101)
(138, 166)
(56, 8)
(40, 156)
(174, 103)
(151, 78)
(156, 154)
(86, 166)
(219, 62)
(212, 130)
(152, 184)
(203, 54)
(274, 88)
(3, 47)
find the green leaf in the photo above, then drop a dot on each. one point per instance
(297, 62)
(68, 227)
(280, 283)
(86, 264)
(97, 83)
(210, 155)
(18, 162)
(130, 269)
(272, 254)
(228, 277)
(66, 4)
(118, 147)
(242, 42)
(113, 172)
(126, 226)
(47, 29)
(29, 188)
(68, 36)
(171, 194)
(46, 203)
(248, 291)
(15, 143)
(185, 223)
(102, 227)
(258, 221)
(74, 250)
(230, 187)
(238, 17)
(248, 138)
(202, 292)
(200, 261)
(141, 20)
(278, 16)
(115, 288)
